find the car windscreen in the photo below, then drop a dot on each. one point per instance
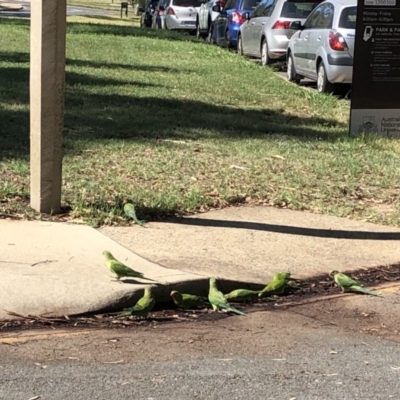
(348, 17)
(186, 3)
(298, 9)
(250, 4)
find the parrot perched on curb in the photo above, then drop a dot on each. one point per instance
(129, 210)
(184, 300)
(277, 285)
(242, 295)
(143, 306)
(121, 270)
(218, 300)
(350, 285)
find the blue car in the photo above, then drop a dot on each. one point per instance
(225, 28)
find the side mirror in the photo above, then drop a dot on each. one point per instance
(141, 9)
(246, 16)
(216, 8)
(296, 25)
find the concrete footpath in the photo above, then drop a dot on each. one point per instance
(58, 268)
(7, 6)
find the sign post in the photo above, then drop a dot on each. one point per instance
(47, 82)
(375, 99)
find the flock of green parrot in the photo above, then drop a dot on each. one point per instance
(216, 299)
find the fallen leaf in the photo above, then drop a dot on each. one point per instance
(278, 156)
(238, 167)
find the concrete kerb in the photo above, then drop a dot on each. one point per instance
(9, 7)
(58, 269)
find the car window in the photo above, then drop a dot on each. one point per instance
(249, 4)
(326, 18)
(186, 3)
(298, 9)
(264, 9)
(313, 18)
(348, 17)
(229, 5)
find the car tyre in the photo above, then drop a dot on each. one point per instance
(265, 58)
(240, 45)
(291, 73)
(198, 32)
(323, 85)
(227, 39)
(210, 34)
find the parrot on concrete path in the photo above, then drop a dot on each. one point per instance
(121, 270)
(184, 300)
(218, 300)
(277, 286)
(143, 307)
(129, 210)
(350, 285)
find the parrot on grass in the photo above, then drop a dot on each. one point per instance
(183, 300)
(143, 307)
(218, 300)
(277, 286)
(120, 269)
(350, 285)
(129, 210)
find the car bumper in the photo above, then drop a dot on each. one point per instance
(233, 33)
(339, 73)
(278, 45)
(175, 23)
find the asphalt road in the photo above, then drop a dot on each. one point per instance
(267, 355)
(71, 10)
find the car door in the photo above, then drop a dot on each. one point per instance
(259, 25)
(316, 37)
(247, 29)
(299, 41)
(221, 22)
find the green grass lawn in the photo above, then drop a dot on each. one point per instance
(178, 126)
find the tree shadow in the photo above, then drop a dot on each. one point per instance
(76, 28)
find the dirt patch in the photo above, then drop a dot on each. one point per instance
(317, 298)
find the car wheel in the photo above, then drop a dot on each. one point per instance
(198, 33)
(323, 85)
(291, 71)
(210, 38)
(265, 59)
(227, 39)
(240, 45)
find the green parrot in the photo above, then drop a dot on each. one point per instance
(129, 210)
(121, 270)
(242, 295)
(143, 306)
(277, 285)
(183, 300)
(350, 285)
(218, 300)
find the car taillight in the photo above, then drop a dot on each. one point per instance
(337, 42)
(170, 11)
(281, 25)
(237, 17)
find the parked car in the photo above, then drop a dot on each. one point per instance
(177, 14)
(224, 29)
(206, 17)
(146, 18)
(323, 48)
(266, 32)
(158, 16)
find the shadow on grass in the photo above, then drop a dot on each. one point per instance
(290, 230)
(77, 28)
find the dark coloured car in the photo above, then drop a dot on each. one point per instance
(146, 18)
(224, 31)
